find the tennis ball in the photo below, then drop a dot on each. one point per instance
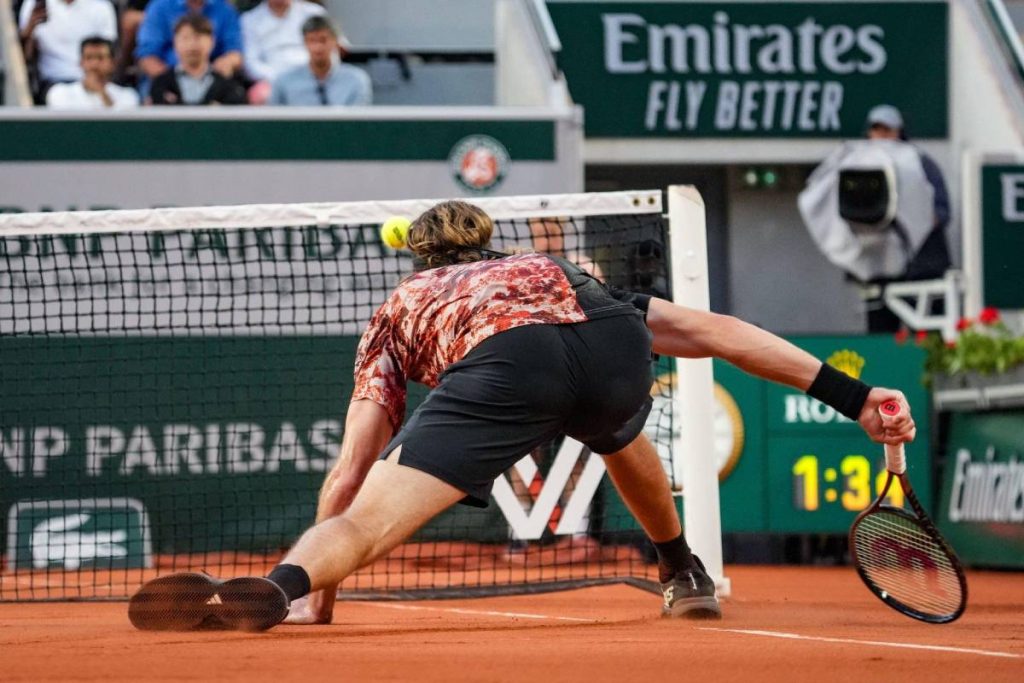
(395, 231)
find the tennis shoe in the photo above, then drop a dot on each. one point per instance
(195, 602)
(691, 595)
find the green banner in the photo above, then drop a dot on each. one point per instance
(805, 468)
(789, 464)
(753, 69)
(822, 469)
(79, 534)
(252, 139)
(222, 441)
(215, 437)
(982, 509)
(1002, 230)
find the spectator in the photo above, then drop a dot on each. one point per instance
(52, 33)
(132, 14)
(94, 91)
(272, 37)
(324, 80)
(885, 122)
(547, 235)
(193, 80)
(155, 49)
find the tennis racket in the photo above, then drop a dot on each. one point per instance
(901, 557)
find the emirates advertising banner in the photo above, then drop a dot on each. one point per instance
(746, 69)
(982, 506)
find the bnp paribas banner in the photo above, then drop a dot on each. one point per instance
(753, 69)
(982, 507)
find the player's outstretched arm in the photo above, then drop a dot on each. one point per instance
(687, 333)
(367, 431)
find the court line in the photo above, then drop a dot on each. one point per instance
(879, 643)
(480, 612)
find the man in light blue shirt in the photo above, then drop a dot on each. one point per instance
(325, 81)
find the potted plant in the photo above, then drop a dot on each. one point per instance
(985, 353)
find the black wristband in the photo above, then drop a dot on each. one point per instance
(840, 391)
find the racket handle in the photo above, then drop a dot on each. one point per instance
(895, 456)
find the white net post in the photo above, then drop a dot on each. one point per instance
(694, 462)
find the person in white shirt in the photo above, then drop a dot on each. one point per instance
(94, 91)
(53, 30)
(272, 37)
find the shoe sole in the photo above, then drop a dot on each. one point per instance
(705, 607)
(194, 602)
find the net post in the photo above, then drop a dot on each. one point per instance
(694, 464)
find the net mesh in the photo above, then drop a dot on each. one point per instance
(172, 398)
(906, 564)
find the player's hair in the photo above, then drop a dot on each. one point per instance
(450, 232)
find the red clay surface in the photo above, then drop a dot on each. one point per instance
(596, 634)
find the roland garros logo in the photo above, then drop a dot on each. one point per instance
(478, 162)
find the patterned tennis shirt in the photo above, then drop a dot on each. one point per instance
(434, 318)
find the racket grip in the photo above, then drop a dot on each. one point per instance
(895, 456)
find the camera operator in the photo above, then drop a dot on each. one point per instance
(931, 261)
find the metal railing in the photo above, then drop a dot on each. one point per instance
(545, 28)
(1011, 37)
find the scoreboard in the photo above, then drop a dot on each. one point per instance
(803, 467)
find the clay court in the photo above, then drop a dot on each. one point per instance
(792, 624)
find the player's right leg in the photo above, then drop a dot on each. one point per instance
(640, 479)
(614, 405)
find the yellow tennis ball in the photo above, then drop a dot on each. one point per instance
(395, 232)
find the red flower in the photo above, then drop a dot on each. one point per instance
(921, 337)
(902, 335)
(989, 315)
(963, 324)
(951, 344)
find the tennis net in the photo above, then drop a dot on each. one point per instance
(175, 384)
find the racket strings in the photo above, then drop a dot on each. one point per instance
(905, 563)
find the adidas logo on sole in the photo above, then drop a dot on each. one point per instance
(215, 600)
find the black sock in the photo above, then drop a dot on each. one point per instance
(673, 556)
(292, 579)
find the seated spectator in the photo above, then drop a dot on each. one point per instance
(272, 37)
(324, 80)
(52, 33)
(155, 42)
(94, 91)
(193, 80)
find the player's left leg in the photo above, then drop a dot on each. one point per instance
(395, 501)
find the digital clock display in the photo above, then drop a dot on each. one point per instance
(851, 484)
(818, 484)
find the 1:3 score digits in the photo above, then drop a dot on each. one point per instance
(850, 485)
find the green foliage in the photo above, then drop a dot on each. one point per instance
(987, 347)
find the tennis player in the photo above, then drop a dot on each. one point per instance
(518, 349)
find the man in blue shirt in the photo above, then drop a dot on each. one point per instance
(325, 80)
(155, 44)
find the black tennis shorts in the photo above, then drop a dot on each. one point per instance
(521, 388)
